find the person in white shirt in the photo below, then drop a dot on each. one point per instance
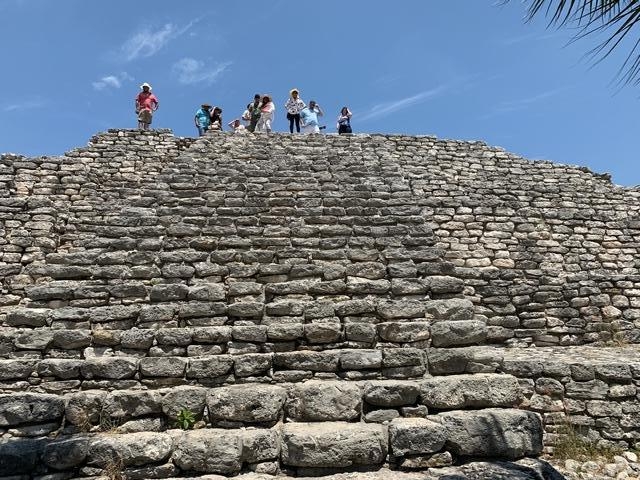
(237, 126)
(294, 105)
(266, 115)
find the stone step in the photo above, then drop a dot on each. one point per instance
(252, 404)
(299, 447)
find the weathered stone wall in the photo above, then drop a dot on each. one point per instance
(286, 284)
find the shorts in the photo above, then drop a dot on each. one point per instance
(145, 116)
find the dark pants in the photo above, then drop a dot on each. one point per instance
(344, 128)
(294, 117)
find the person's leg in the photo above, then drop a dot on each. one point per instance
(267, 124)
(201, 131)
(290, 117)
(297, 119)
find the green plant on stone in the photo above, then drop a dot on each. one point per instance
(186, 419)
(572, 444)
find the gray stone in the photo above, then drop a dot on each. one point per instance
(115, 368)
(132, 403)
(84, 408)
(18, 408)
(415, 436)
(209, 367)
(163, 367)
(246, 403)
(402, 332)
(183, 397)
(131, 449)
(209, 451)
(391, 393)
(260, 445)
(450, 309)
(464, 391)
(492, 432)
(324, 401)
(333, 444)
(463, 332)
(16, 369)
(361, 359)
(66, 454)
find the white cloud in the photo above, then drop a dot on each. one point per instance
(111, 81)
(25, 105)
(190, 70)
(148, 42)
(384, 109)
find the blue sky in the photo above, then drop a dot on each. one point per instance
(459, 69)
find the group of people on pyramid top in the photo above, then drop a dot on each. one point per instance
(258, 116)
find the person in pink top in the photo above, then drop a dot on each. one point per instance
(146, 104)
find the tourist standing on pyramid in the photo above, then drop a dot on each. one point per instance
(266, 115)
(203, 118)
(344, 121)
(294, 105)
(146, 104)
(216, 119)
(254, 109)
(309, 116)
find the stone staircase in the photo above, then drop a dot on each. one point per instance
(289, 296)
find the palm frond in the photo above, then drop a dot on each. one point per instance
(619, 17)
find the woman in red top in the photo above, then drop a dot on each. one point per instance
(146, 104)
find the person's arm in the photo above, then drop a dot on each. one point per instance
(156, 104)
(137, 104)
(195, 120)
(320, 112)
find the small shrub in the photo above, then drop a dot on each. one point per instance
(186, 419)
(572, 445)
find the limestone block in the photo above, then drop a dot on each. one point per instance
(132, 449)
(66, 454)
(462, 332)
(445, 361)
(163, 366)
(115, 368)
(333, 444)
(168, 293)
(402, 357)
(173, 336)
(360, 332)
(403, 332)
(33, 339)
(260, 445)
(324, 401)
(252, 364)
(18, 456)
(361, 359)
(449, 309)
(208, 292)
(16, 369)
(370, 270)
(71, 339)
(84, 408)
(18, 408)
(591, 390)
(464, 391)
(381, 416)
(132, 403)
(284, 332)
(444, 284)
(209, 367)
(60, 368)
(246, 403)
(323, 332)
(209, 451)
(250, 333)
(326, 361)
(183, 397)
(27, 317)
(391, 393)
(221, 334)
(492, 432)
(415, 436)
(392, 309)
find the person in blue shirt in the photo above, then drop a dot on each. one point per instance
(309, 117)
(203, 118)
